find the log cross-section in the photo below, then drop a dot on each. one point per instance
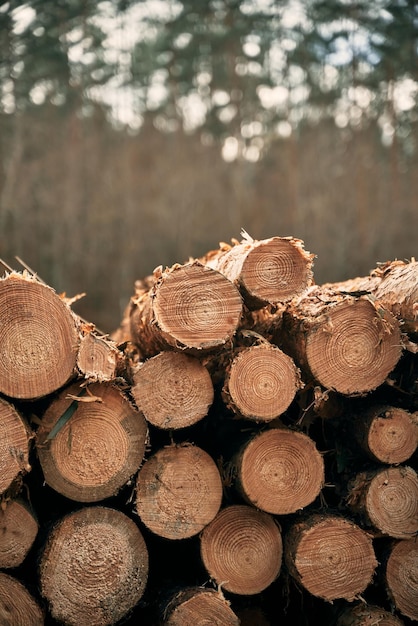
(190, 307)
(178, 491)
(172, 389)
(279, 471)
(261, 382)
(266, 272)
(15, 440)
(330, 556)
(345, 343)
(93, 453)
(242, 549)
(39, 338)
(94, 567)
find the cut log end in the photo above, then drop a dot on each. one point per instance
(38, 337)
(15, 437)
(179, 491)
(173, 390)
(276, 270)
(367, 615)
(199, 607)
(94, 567)
(281, 471)
(17, 606)
(242, 549)
(18, 530)
(331, 557)
(392, 501)
(90, 444)
(261, 383)
(389, 434)
(98, 358)
(196, 307)
(354, 347)
(402, 577)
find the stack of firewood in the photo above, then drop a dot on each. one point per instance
(241, 450)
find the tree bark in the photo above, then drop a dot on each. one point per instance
(39, 338)
(173, 390)
(266, 272)
(178, 491)
(279, 471)
(388, 434)
(260, 382)
(190, 307)
(91, 441)
(401, 574)
(388, 500)
(94, 567)
(242, 549)
(17, 606)
(199, 607)
(330, 556)
(345, 343)
(15, 444)
(18, 530)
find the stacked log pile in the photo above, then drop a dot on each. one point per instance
(241, 450)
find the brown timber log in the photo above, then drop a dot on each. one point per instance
(199, 607)
(98, 358)
(388, 434)
(345, 343)
(266, 272)
(260, 382)
(15, 443)
(94, 567)
(242, 549)
(172, 389)
(178, 491)
(388, 500)
(91, 441)
(279, 471)
(190, 307)
(18, 530)
(367, 615)
(330, 556)
(395, 285)
(401, 577)
(39, 338)
(17, 606)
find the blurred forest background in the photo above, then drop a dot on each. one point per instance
(135, 133)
